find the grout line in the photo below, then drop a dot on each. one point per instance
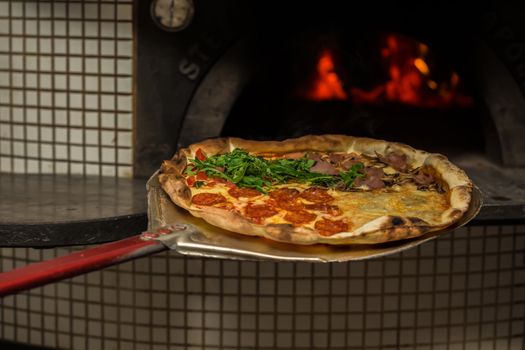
(24, 101)
(434, 284)
(482, 294)
(62, 143)
(70, 161)
(382, 300)
(185, 297)
(134, 301)
(84, 95)
(347, 303)
(11, 97)
(63, 126)
(465, 297)
(70, 109)
(513, 282)
(399, 293)
(312, 305)
(65, 72)
(416, 298)
(99, 81)
(115, 88)
(53, 90)
(498, 266)
(257, 310)
(365, 306)
(330, 314)
(68, 102)
(52, 81)
(203, 300)
(275, 303)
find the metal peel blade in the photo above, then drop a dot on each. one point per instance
(205, 240)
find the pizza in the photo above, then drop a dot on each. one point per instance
(330, 189)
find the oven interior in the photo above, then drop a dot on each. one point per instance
(406, 75)
(434, 79)
(382, 85)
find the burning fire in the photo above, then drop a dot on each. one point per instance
(409, 81)
(327, 85)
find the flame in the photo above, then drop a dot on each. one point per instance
(422, 66)
(409, 80)
(406, 71)
(327, 85)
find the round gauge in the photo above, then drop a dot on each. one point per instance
(172, 15)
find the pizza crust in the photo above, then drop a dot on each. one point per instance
(379, 230)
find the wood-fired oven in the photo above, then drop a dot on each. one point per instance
(94, 91)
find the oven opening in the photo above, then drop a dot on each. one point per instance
(379, 84)
(401, 76)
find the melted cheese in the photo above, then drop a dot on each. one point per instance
(358, 208)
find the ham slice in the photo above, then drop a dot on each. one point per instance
(313, 156)
(321, 166)
(336, 158)
(372, 178)
(294, 155)
(396, 160)
(349, 162)
(324, 167)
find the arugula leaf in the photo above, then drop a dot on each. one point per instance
(189, 171)
(246, 170)
(323, 180)
(198, 184)
(351, 174)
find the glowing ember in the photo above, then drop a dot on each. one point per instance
(327, 85)
(421, 65)
(409, 82)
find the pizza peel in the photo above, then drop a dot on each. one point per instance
(171, 227)
(199, 238)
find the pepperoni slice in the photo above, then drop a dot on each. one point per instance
(243, 192)
(225, 182)
(190, 180)
(286, 198)
(325, 208)
(316, 195)
(299, 217)
(284, 193)
(288, 204)
(199, 154)
(330, 227)
(201, 175)
(208, 199)
(259, 211)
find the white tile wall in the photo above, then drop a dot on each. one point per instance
(465, 290)
(66, 87)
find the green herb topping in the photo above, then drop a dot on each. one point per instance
(246, 170)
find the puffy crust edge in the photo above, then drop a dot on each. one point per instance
(379, 230)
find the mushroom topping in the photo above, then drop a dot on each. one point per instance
(348, 162)
(423, 179)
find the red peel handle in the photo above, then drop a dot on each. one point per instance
(77, 263)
